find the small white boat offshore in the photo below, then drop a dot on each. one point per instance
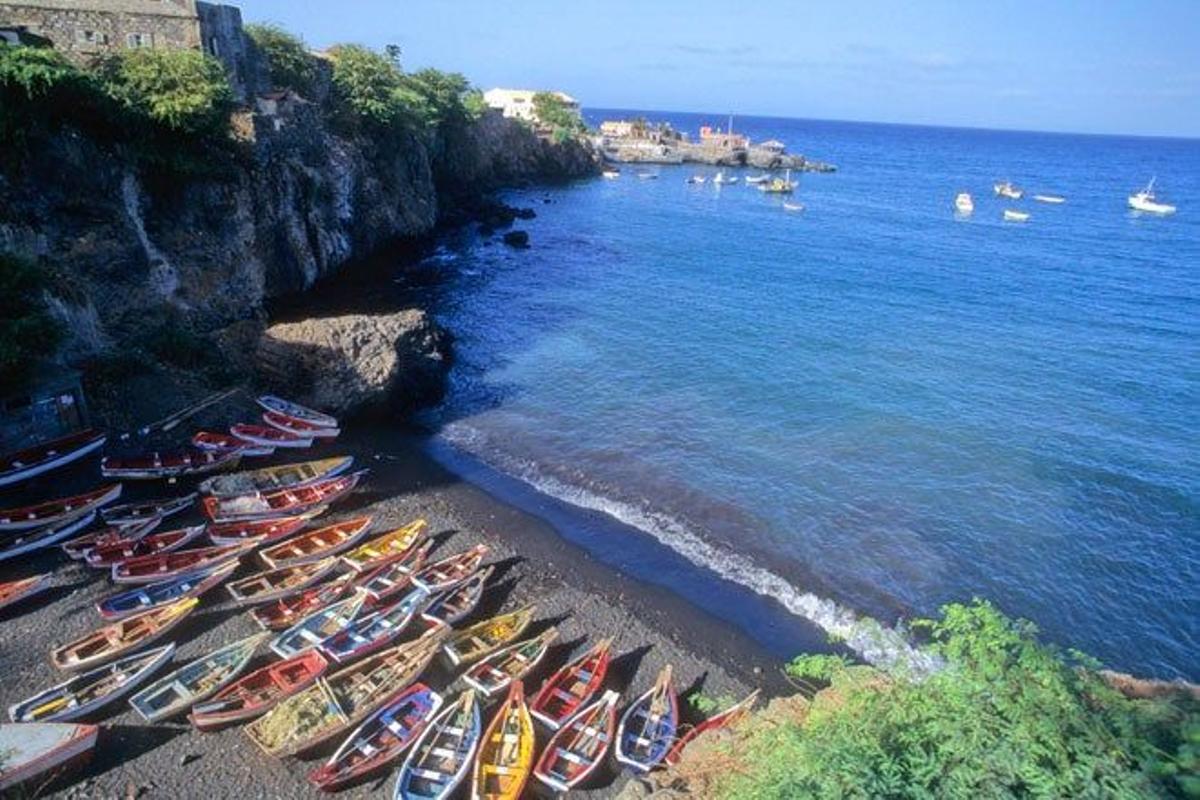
(793, 206)
(1146, 201)
(697, 179)
(1053, 199)
(754, 180)
(963, 203)
(1015, 216)
(611, 173)
(721, 180)
(648, 176)
(1006, 189)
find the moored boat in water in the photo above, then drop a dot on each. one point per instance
(1052, 199)
(46, 456)
(963, 204)
(1015, 216)
(1006, 189)
(1146, 201)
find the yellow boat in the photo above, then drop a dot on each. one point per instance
(386, 548)
(121, 637)
(484, 638)
(505, 756)
(277, 477)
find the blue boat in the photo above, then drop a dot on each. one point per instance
(369, 633)
(648, 726)
(153, 595)
(440, 759)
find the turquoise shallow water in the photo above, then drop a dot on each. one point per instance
(870, 405)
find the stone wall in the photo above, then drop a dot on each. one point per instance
(222, 37)
(85, 29)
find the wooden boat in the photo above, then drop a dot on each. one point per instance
(726, 718)
(572, 687)
(450, 571)
(316, 544)
(60, 510)
(441, 757)
(296, 411)
(384, 735)
(79, 546)
(259, 692)
(483, 638)
(579, 746)
(277, 584)
(104, 556)
(280, 501)
(84, 694)
(453, 605)
(278, 477)
(298, 427)
(266, 436)
(163, 507)
(196, 681)
(224, 442)
(46, 456)
(156, 595)
(649, 725)
(342, 700)
(395, 545)
(14, 592)
(118, 638)
(492, 675)
(317, 627)
(35, 753)
(373, 631)
(505, 755)
(384, 583)
(157, 466)
(159, 567)
(259, 531)
(281, 614)
(26, 541)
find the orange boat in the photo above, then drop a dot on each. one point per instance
(293, 500)
(14, 592)
(119, 638)
(316, 544)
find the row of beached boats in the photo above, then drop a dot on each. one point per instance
(350, 621)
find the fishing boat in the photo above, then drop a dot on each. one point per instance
(277, 584)
(13, 592)
(60, 510)
(336, 703)
(296, 411)
(163, 593)
(316, 544)
(281, 614)
(572, 687)
(79, 546)
(103, 556)
(118, 638)
(450, 571)
(46, 456)
(298, 427)
(755, 180)
(505, 755)
(1146, 201)
(1006, 189)
(793, 206)
(258, 692)
(141, 510)
(278, 502)
(777, 185)
(726, 718)
(649, 725)
(579, 746)
(440, 759)
(964, 204)
(35, 753)
(224, 442)
(158, 466)
(84, 694)
(1052, 199)
(161, 566)
(266, 436)
(486, 637)
(259, 531)
(611, 173)
(26, 541)
(697, 179)
(385, 583)
(1015, 216)
(381, 739)
(395, 545)
(279, 477)
(196, 681)
(317, 627)
(453, 605)
(374, 631)
(492, 675)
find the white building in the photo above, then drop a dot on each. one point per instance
(519, 102)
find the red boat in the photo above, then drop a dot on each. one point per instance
(316, 544)
(16, 591)
(156, 465)
(105, 555)
(722, 720)
(259, 691)
(219, 442)
(298, 427)
(266, 436)
(161, 566)
(282, 614)
(52, 511)
(128, 513)
(571, 687)
(450, 571)
(389, 580)
(281, 501)
(78, 547)
(296, 411)
(258, 531)
(24, 464)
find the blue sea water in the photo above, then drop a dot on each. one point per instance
(870, 406)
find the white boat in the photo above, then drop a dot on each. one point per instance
(1015, 216)
(793, 206)
(1006, 189)
(1147, 202)
(648, 176)
(611, 173)
(697, 179)
(963, 203)
(1053, 199)
(754, 180)
(721, 179)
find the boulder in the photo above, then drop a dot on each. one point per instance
(518, 239)
(349, 363)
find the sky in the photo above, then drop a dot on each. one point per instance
(1090, 66)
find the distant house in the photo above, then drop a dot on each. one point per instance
(723, 140)
(772, 146)
(518, 103)
(618, 129)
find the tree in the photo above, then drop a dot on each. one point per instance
(292, 66)
(553, 112)
(367, 86)
(27, 331)
(183, 90)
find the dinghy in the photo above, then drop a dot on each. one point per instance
(118, 638)
(649, 725)
(385, 583)
(196, 681)
(266, 436)
(483, 638)
(492, 675)
(373, 631)
(261, 531)
(158, 466)
(722, 720)
(440, 759)
(78, 547)
(155, 595)
(1015, 216)
(579, 746)
(572, 687)
(505, 755)
(754, 180)
(47, 456)
(163, 507)
(316, 544)
(104, 556)
(14, 592)
(1052, 199)
(279, 502)
(296, 411)
(26, 541)
(298, 427)
(278, 584)
(281, 614)
(793, 206)
(280, 477)
(60, 510)
(317, 627)
(87, 693)
(258, 692)
(35, 753)
(453, 605)
(449, 572)
(160, 567)
(224, 442)
(963, 204)
(395, 545)
(381, 739)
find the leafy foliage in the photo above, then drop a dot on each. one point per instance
(27, 331)
(183, 90)
(367, 87)
(446, 97)
(552, 112)
(40, 89)
(292, 66)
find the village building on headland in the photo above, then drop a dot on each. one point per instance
(518, 103)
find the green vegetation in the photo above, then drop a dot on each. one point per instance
(292, 66)
(552, 112)
(27, 331)
(182, 90)
(1007, 717)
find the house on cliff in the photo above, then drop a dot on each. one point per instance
(518, 103)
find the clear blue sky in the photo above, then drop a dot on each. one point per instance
(1125, 66)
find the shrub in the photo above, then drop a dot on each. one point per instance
(40, 89)
(183, 90)
(292, 66)
(447, 97)
(366, 86)
(27, 331)
(552, 112)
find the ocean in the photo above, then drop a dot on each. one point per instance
(865, 409)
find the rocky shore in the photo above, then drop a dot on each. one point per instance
(639, 152)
